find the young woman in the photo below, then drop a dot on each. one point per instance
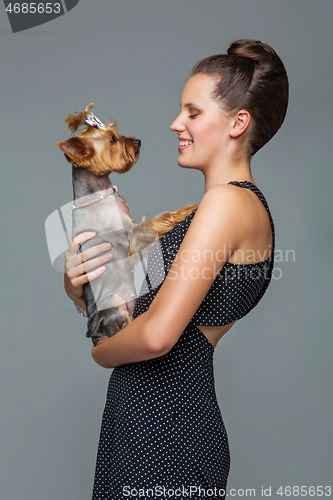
(162, 426)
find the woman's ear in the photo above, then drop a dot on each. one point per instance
(240, 122)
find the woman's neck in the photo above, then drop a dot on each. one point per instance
(222, 174)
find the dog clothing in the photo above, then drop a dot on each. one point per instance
(162, 431)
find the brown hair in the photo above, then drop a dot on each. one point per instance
(250, 76)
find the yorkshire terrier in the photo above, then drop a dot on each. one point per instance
(94, 153)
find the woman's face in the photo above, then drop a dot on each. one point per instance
(202, 128)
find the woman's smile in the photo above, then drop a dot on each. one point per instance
(184, 143)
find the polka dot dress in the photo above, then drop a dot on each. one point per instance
(162, 431)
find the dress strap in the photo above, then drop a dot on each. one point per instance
(252, 187)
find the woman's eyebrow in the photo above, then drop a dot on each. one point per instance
(188, 105)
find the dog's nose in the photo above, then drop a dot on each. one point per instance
(137, 142)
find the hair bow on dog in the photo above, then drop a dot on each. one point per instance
(95, 122)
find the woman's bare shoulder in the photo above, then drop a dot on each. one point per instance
(230, 212)
(225, 198)
(238, 201)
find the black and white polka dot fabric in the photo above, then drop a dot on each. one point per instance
(162, 431)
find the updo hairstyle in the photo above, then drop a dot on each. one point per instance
(250, 76)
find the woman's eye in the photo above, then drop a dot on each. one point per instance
(192, 116)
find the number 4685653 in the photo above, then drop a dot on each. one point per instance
(33, 8)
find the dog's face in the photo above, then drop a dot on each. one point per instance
(100, 151)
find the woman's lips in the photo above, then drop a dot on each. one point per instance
(184, 143)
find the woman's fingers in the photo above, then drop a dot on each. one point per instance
(77, 242)
(86, 266)
(91, 252)
(79, 264)
(84, 278)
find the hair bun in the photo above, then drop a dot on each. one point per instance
(252, 49)
(250, 76)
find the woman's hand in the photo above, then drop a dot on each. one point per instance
(78, 265)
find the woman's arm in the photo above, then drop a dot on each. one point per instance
(216, 232)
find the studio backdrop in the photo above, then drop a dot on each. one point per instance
(273, 370)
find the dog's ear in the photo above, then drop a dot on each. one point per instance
(76, 149)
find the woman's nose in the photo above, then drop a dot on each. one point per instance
(177, 126)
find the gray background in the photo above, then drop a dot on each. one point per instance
(273, 369)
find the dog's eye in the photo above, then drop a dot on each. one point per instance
(114, 139)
